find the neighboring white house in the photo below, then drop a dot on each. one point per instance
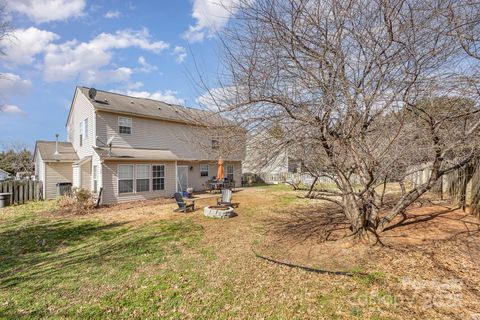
(4, 175)
(133, 148)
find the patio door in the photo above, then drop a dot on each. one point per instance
(182, 178)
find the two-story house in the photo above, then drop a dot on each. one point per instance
(134, 148)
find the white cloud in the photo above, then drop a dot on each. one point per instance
(168, 96)
(112, 14)
(12, 109)
(218, 98)
(145, 66)
(41, 11)
(12, 84)
(211, 16)
(72, 58)
(181, 54)
(25, 44)
(135, 85)
(121, 74)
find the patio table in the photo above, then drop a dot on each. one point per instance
(216, 185)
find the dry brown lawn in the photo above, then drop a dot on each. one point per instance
(283, 257)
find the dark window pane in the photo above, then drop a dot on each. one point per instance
(122, 129)
(143, 185)
(125, 186)
(158, 171)
(158, 184)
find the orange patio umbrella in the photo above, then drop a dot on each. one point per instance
(220, 170)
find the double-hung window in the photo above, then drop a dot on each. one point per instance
(142, 177)
(229, 168)
(125, 178)
(83, 131)
(204, 170)
(158, 177)
(124, 125)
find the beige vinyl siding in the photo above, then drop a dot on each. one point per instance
(86, 175)
(110, 183)
(186, 141)
(82, 109)
(56, 172)
(196, 181)
(76, 176)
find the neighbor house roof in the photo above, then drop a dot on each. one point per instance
(4, 172)
(136, 154)
(47, 151)
(119, 103)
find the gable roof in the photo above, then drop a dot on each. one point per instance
(47, 151)
(5, 172)
(144, 107)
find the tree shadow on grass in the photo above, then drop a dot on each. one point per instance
(314, 234)
(317, 223)
(60, 248)
(34, 250)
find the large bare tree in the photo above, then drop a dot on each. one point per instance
(357, 89)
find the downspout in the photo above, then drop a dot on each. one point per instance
(176, 177)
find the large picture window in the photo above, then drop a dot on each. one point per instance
(125, 178)
(124, 125)
(158, 177)
(204, 170)
(142, 177)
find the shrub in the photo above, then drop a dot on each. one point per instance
(79, 201)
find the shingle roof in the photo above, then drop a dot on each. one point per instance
(65, 150)
(119, 103)
(135, 154)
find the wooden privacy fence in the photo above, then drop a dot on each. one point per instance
(22, 190)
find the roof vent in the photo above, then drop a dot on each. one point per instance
(159, 108)
(56, 145)
(131, 101)
(105, 100)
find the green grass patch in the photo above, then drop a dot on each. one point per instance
(53, 267)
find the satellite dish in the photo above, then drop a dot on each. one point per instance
(92, 92)
(110, 140)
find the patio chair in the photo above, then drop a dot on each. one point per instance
(226, 199)
(182, 206)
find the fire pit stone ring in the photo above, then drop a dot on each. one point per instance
(218, 212)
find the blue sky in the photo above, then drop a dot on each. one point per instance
(142, 48)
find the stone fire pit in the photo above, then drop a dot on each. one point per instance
(218, 212)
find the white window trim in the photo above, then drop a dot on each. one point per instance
(208, 170)
(164, 177)
(150, 185)
(135, 178)
(85, 128)
(118, 178)
(131, 125)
